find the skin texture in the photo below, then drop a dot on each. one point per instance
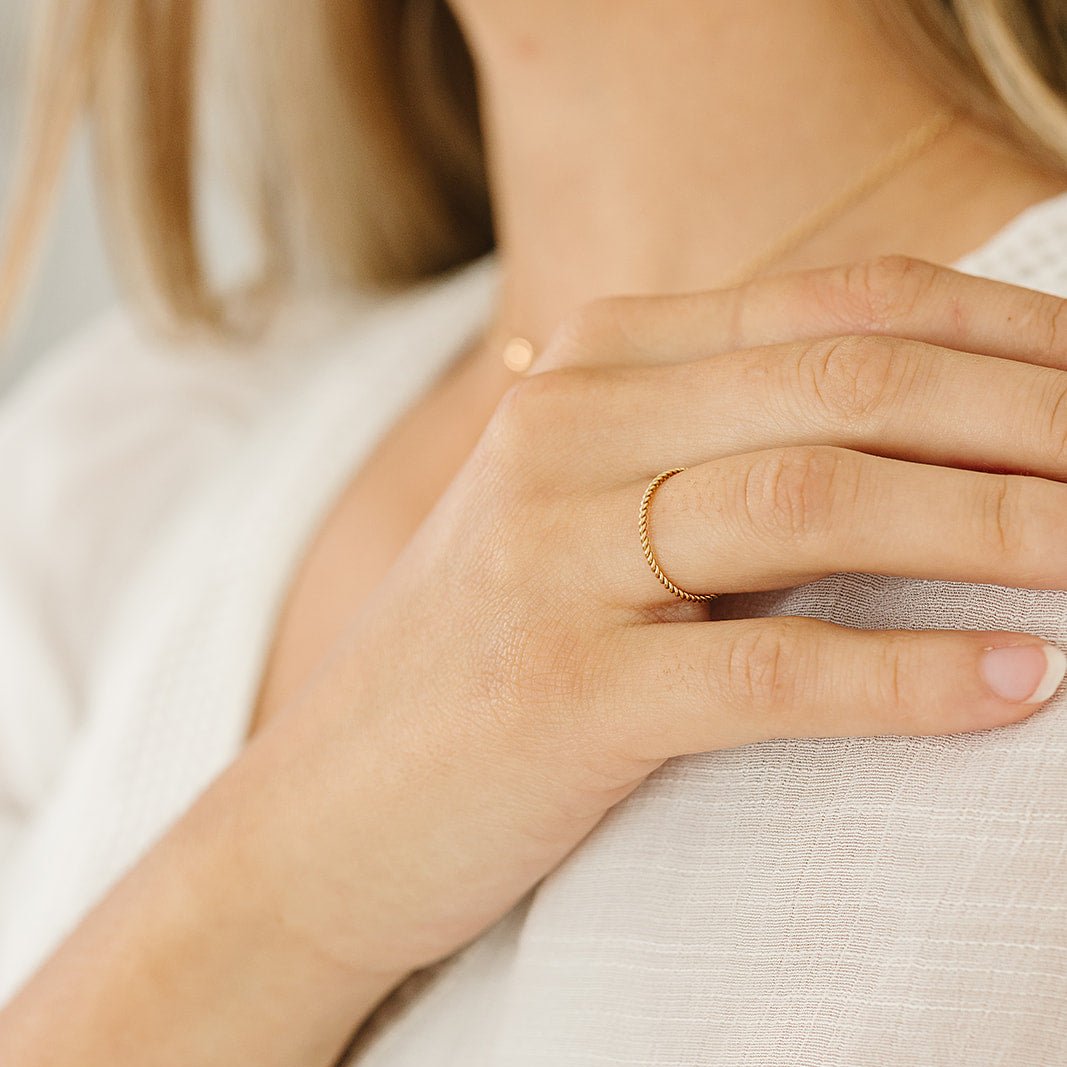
(483, 702)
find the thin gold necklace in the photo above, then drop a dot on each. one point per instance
(518, 353)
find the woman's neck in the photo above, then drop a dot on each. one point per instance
(637, 147)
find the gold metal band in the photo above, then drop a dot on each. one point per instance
(646, 544)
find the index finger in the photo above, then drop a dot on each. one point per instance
(893, 296)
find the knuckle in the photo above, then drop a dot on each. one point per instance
(540, 686)
(505, 454)
(854, 377)
(1001, 517)
(790, 492)
(529, 406)
(586, 333)
(514, 417)
(894, 680)
(765, 667)
(499, 678)
(757, 667)
(513, 409)
(873, 295)
(1056, 423)
(1048, 316)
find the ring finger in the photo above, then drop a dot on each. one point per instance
(781, 517)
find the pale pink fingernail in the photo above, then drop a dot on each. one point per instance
(1024, 674)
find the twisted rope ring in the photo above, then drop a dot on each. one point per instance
(646, 544)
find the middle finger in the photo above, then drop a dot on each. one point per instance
(885, 396)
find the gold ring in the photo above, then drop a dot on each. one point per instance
(646, 544)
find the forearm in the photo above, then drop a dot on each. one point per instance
(191, 960)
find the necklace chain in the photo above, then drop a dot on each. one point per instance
(894, 159)
(519, 353)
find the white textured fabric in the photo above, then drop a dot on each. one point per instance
(892, 901)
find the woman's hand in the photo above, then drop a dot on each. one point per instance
(520, 670)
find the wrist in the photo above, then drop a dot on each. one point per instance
(190, 954)
(253, 881)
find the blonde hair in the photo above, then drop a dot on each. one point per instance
(361, 155)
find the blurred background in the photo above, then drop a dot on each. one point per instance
(72, 281)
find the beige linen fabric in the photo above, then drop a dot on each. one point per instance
(833, 903)
(890, 901)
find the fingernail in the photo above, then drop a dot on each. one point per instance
(1025, 674)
